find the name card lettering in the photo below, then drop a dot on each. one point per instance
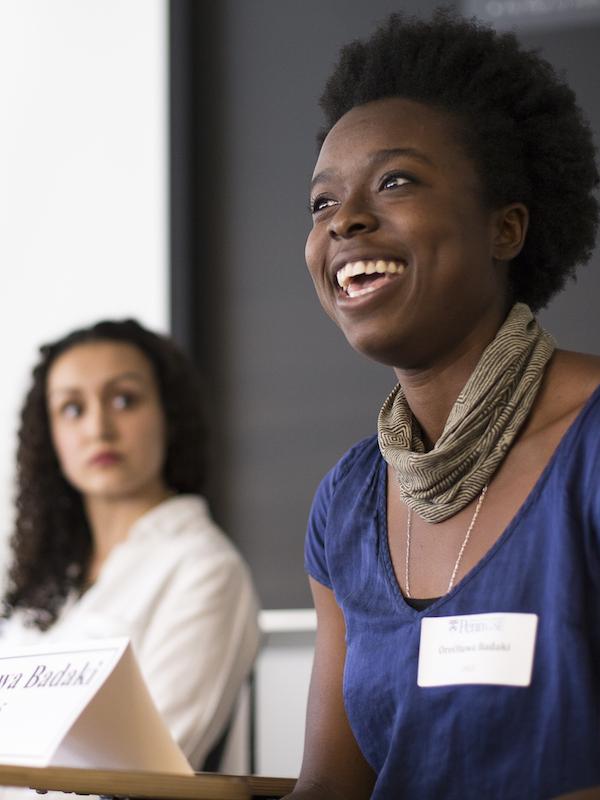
(43, 676)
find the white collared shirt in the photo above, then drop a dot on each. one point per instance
(181, 592)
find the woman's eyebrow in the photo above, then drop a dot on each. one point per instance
(375, 159)
(382, 156)
(322, 177)
(62, 390)
(135, 376)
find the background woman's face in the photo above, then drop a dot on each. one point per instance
(394, 189)
(106, 420)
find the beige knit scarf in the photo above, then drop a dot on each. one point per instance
(481, 426)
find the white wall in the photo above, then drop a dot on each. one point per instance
(83, 180)
(281, 682)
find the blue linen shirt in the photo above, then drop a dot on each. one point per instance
(479, 742)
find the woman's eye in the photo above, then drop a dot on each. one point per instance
(71, 410)
(321, 203)
(123, 400)
(395, 181)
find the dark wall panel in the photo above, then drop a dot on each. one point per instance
(575, 50)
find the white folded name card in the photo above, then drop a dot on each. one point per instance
(82, 705)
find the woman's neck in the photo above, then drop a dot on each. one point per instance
(432, 391)
(110, 520)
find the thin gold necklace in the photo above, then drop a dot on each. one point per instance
(460, 552)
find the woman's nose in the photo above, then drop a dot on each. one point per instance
(100, 422)
(351, 220)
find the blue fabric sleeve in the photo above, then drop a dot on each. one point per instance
(589, 473)
(315, 549)
(315, 557)
(593, 474)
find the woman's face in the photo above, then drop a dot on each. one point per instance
(107, 421)
(400, 222)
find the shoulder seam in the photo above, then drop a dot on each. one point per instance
(349, 458)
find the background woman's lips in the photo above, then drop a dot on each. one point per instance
(105, 459)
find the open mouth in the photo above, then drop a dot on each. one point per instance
(357, 278)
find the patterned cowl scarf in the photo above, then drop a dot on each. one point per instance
(480, 428)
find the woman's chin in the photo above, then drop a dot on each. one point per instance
(388, 357)
(376, 344)
(108, 488)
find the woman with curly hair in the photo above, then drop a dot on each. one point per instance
(113, 536)
(454, 558)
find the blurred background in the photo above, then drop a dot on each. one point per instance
(154, 162)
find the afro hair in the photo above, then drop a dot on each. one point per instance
(520, 122)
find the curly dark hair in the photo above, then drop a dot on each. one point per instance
(51, 543)
(520, 124)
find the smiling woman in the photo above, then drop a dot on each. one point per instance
(453, 559)
(417, 206)
(113, 536)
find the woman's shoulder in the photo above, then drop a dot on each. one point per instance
(184, 528)
(360, 456)
(344, 488)
(573, 366)
(353, 467)
(569, 387)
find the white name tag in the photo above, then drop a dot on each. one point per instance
(477, 648)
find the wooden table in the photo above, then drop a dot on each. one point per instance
(159, 786)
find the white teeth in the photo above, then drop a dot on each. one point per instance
(359, 292)
(353, 268)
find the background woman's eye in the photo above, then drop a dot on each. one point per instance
(320, 203)
(71, 410)
(395, 180)
(123, 400)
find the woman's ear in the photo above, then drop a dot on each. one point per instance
(510, 229)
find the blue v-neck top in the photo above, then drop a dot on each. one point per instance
(472, 741)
